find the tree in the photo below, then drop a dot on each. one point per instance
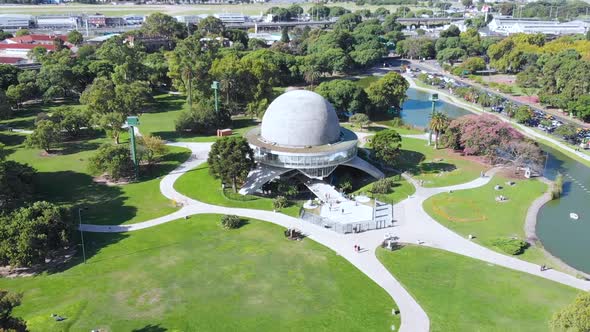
(438, 124)
(348, 22)
(211, 25)
(580, 107)
(22, 32)
(520, 154)
(467, 3)
(386, 145)
(151, 148)
(72, 120)
(574, 317)
(450, 55)
(16, 183)
(111, 123)
(359, 119)
(231, 159)
(523, 114)
(381, 12)
(567, 131)
(255, 44)
(8, 76)
(452, 31)
(230, 221)
(112, 160)
(474, 64)
(160, 24)
(285, 35)
(345, 95)
(32, 234)
(45, 136)
(8, 301)
(390, 24)
(389, 91)
(75, 37)
(202, 119)
(4, 35)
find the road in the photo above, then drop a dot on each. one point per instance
(432, 66)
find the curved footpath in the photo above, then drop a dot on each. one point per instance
(413, 225)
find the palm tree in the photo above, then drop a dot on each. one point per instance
(438, 123)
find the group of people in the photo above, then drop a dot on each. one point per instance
(357, 248)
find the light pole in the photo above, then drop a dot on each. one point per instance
(215, 87)
(433, 99)
(133, 121)
(81, 233)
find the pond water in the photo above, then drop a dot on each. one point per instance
(417, 108)
(563, 237)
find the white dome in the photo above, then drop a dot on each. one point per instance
(300, 118)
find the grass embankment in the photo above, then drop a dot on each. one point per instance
(400, 190)
(192, 275)
(202, 186)
(437, 168)
(464, 294)
(476, 212)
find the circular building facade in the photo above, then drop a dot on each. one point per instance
(300, 131)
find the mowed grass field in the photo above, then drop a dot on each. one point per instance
(464, 294)
(437, 168)
(476, 212)
(119, 10)
(192, 275)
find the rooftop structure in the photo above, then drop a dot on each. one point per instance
(508, 26)
(16, 21)
(231, 18)
(300, 133)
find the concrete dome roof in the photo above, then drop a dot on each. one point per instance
(300, 118)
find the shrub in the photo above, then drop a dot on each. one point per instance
(510, 246)
(382, 186)
(279, 202)
(114, 160)
(345, 183)
(202, 119)
(229, 221)
(557, 188)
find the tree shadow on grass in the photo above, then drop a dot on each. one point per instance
(12, 141)
(409, 160)
(166, 165)
(430, 168)
(78, 146)
(100, 202)
(166, 103)
(151, 328)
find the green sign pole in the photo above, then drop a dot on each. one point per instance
(132, 122)
(433, 98)
(215, 87)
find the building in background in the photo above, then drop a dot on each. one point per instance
(507, 26)
(57, 22)
(16, 21)
(231, 18)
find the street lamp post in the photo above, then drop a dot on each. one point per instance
(81, 233)
(215, 87)
(133, 121)
(433, 99)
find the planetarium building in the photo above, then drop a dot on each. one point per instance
(300, 132)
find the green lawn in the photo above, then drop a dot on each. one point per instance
(163, 113)
(437, 168)
(195, 276)
(64, 179)
(464, 294)
(200, 185)
(476, 212)
(25, 117)
(400, 191)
